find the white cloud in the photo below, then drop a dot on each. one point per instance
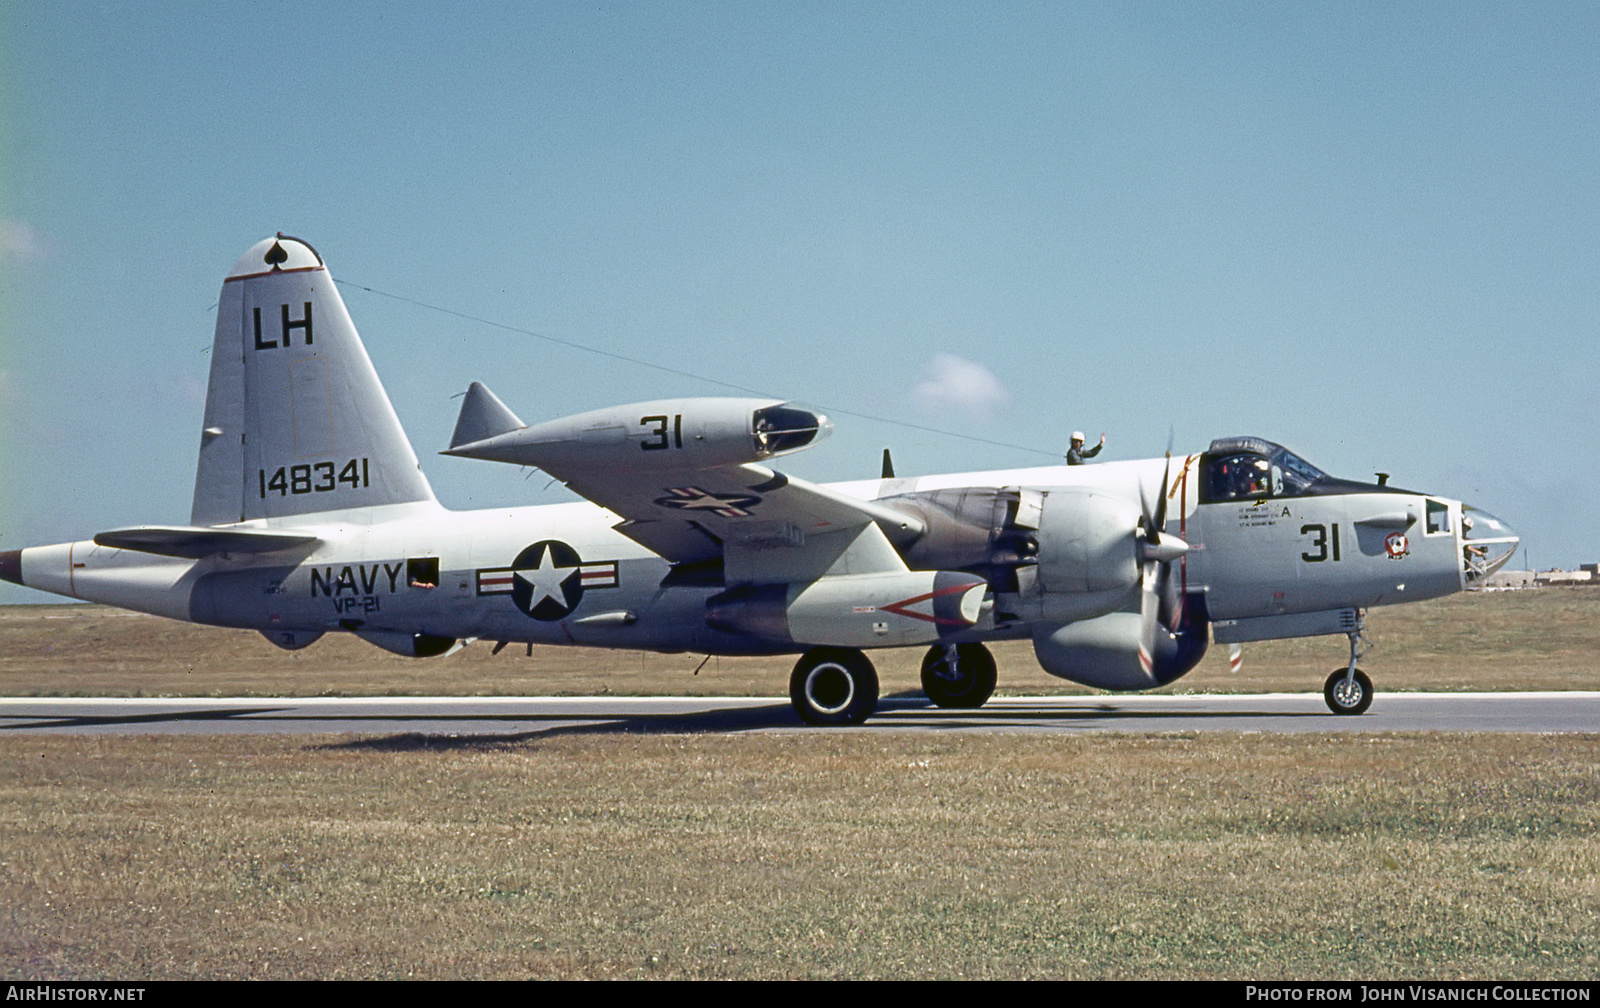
(19, 240)
(962, 384)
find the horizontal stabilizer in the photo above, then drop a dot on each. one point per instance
(483, 416)
(194, 543)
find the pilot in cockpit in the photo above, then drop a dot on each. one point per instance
(1245, 476)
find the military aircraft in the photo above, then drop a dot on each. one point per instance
(311, 514)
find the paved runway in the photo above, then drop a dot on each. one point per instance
(518, 716)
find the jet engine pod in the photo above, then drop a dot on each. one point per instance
(1109, 652)
(667, 434)
(853, 610)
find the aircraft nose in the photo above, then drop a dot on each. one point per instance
(1487, 543)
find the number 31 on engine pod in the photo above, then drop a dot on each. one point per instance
(656, 426)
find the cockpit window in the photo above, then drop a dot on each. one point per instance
(1300, 473)
(1264, 470)
(1438, 517)
(1239, 477)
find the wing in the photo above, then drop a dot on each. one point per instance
(687, 478)
(764, 525)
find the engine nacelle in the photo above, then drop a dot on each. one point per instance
(666, 434)
(853, 610)
(1054, 555)
(1087, 542)
(1108, 652)
(970, 527)
(1087, 558)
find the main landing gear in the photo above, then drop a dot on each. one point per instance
(958, 675)
(834, 686)
(1348, 690)
(839, 686)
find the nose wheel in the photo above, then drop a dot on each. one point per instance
(1348, 690)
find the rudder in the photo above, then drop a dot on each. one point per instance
(296, 421)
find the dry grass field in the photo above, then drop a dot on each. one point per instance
(817, 855)
(829, 855)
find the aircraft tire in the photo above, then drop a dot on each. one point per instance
(969, 686)
(834, 686)
(1352, 699)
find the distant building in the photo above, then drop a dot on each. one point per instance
(1503, 579)
(1588, 574)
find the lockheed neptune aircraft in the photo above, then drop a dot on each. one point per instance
(312, 515)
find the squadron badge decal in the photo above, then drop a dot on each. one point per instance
(1397, 545)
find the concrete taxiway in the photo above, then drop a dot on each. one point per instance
(1560, 712)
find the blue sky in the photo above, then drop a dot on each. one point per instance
(1367, 231)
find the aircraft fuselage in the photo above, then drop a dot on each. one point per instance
(561, 574)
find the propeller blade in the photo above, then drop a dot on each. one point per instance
(1160, 595)
(1172, 600)
(1159, 524)
(1149, 615)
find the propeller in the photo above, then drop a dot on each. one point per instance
(1160, 597)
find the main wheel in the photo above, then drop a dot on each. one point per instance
(966, 682)
(833, 686)
(1348, 697)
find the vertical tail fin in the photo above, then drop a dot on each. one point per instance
(296, 419)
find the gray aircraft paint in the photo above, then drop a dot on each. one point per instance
(311, 515)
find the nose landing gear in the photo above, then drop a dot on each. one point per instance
(1348, 690)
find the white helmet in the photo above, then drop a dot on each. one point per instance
(1077, 435)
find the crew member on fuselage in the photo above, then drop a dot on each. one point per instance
(1077, 453)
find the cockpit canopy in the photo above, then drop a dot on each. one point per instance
(1252, 468)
